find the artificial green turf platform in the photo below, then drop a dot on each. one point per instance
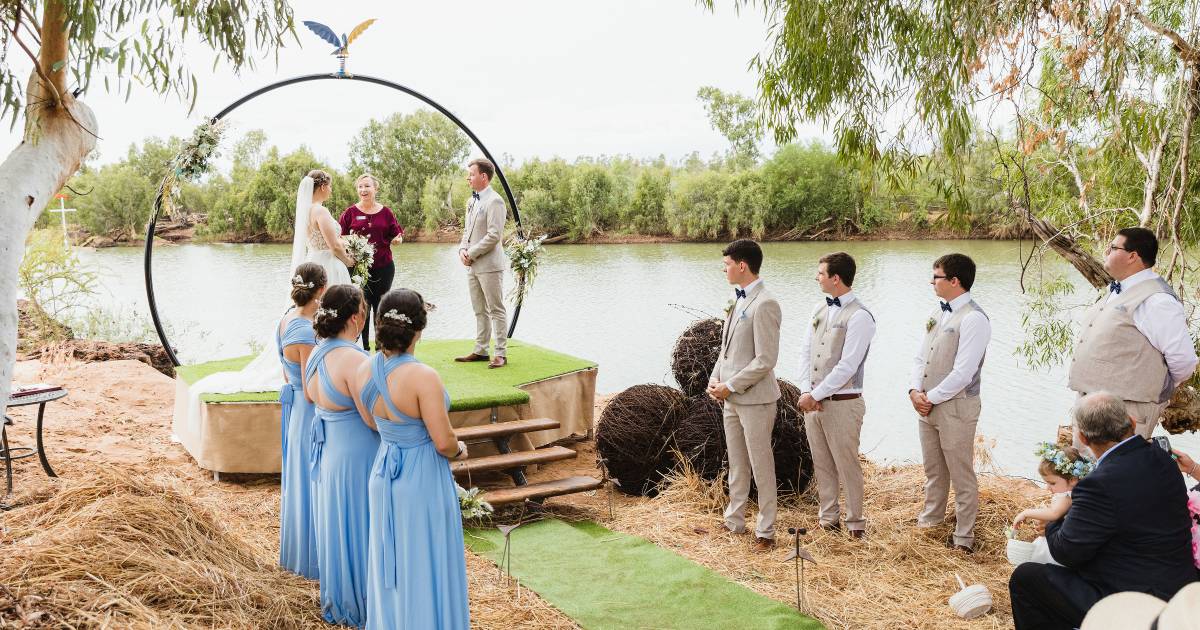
(604, 579)
(471, 385)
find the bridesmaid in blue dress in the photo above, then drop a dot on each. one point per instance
(417, 574)
(341, 450)
(295, 339)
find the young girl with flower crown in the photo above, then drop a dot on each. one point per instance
(1061, 468)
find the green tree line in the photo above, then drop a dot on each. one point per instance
(801, 190)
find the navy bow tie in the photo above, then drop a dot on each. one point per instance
(475, 196)
(833, 301)
(946, 307)
(739, 293)
(1114, 286)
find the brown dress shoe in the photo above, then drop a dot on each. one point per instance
(497, 362)
(957, 547)
(763, 544)
(470, 358)
(857, 533)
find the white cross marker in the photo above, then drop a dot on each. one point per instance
(62, 214)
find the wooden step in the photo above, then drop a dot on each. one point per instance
(509, 461)
(501, 429)
(541, 490)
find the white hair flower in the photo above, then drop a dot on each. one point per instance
(326, 312)
(299, 282)
(398, 316)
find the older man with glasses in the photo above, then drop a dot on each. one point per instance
(1134, 340)
(1128, 528)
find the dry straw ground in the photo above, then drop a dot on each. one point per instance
(133, 534)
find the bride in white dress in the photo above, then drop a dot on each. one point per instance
(321, 241)
(317, 239)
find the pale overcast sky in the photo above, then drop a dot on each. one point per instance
(534, 78)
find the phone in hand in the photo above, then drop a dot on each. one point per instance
(1162, 442)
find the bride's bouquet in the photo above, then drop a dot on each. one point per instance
(363, 253)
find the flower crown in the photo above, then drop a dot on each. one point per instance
(398, 316)
(1064, 465)
(326, 312)
(298, 282)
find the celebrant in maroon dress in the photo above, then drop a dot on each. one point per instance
(375, 221)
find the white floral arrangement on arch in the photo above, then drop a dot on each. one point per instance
(524, 257)
(363, 253)
(193, 160)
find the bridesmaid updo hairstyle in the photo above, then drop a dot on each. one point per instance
(338, 305)
(320, 178)
(400, 317)
(308, 281)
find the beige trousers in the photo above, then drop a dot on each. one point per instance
(748, 437)
(948, 452)
(833, 435)
(487, 299)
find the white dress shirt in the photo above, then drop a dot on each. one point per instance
(1161, 319)
(975, 331)
(860, 330)
(739, 304)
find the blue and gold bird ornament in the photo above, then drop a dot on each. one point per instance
(341, 44)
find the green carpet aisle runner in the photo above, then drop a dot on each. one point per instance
(604, 579)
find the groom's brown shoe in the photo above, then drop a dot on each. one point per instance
(472, 358)
(497, 362)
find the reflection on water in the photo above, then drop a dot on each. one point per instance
(624, 305)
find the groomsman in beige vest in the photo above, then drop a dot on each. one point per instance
(482, 253)
(831, 377)
(1134, 341)
(744, 378)
(945, 393)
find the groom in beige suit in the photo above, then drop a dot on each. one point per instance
(482, 253)
(744, 378)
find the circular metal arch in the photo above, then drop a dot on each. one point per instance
(158, 199)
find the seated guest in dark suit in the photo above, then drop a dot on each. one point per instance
(1128, 528)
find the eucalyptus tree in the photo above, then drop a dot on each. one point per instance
(68, 44)
(402, 151)
(1101, 93)
(736, 118)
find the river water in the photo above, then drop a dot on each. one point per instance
(624, 305)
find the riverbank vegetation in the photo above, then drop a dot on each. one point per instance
(801, 190)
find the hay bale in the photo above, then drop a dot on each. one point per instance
(700, 437)
(793, 458)
(122, 549)
(695, 354)
(633, 436)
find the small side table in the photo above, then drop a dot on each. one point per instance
(10, 454)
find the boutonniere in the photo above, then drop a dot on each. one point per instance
(930, 324)
(816, 322)
(729, 307)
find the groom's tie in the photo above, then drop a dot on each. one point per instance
(739, 293)
(946, 307)
(475, 196)
(833, 301)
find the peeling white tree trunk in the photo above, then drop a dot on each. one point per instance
(29, 177)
